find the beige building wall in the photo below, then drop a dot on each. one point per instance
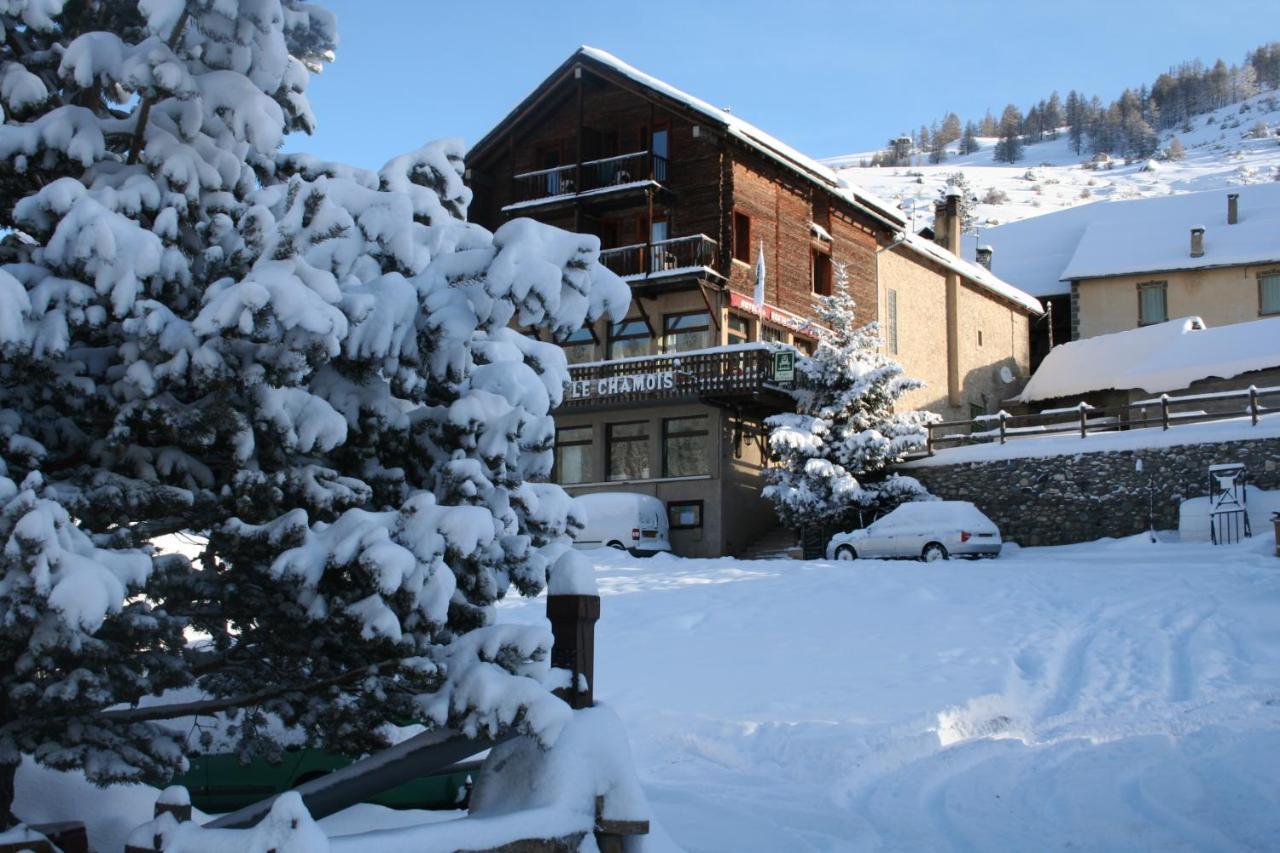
(994, 338)
(921, 326)
(1219, 296)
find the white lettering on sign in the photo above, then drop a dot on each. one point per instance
(609, 386)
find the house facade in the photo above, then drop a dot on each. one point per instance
(727, 238)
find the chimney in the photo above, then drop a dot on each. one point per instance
(1197, 242)
(940, 223)
(984, 256)
(1233, 208)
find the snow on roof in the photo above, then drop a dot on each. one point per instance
(1154, 235)
(753, 137)
(1158, 358)
(1134, 236)
(976, 273)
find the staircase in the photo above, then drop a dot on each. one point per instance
(778, 543)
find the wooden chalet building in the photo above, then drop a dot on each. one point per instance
(688, 201)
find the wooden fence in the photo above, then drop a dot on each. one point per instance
(1084, 420)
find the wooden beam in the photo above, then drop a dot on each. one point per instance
(711, 309)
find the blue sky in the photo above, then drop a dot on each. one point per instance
(827, 77)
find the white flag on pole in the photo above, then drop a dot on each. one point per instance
(760, 276)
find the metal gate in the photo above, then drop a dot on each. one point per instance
(1228, 503)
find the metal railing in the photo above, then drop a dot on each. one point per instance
(676, 253)
(730, 371)
(617, 171)
(1084, 420)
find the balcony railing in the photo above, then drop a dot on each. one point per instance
(722, 371)
(675, 255)
(620, 171)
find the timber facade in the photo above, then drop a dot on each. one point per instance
(694, 209)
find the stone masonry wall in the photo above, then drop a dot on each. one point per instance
(1060, 499)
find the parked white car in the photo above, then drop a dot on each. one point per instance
(624, 520)
(921, 530)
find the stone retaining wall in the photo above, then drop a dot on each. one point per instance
(1055, 500)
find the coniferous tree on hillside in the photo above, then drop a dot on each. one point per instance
(1009, 148)
(969, 141)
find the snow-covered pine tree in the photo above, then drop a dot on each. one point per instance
(834, 452)
(958, 185)
(312, 365)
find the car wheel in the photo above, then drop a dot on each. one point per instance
(846, 552)
(616, 544)
(934, 551)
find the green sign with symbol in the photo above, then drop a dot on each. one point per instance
(784, 366)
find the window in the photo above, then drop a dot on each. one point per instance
(772, 334)
(821, 273)
(742, 237)
(684, 332)
(976, 411)
(1269, 293)
(628, 446)
(1153, 305)
(579, 346)
(805, 345)
(573, 455)
(628, 338)
(685, 515)
(979, 337)
(739, 329)
(891, 328)
(685, 447)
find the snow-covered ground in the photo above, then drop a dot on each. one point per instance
(1117, 695)
(1220, 153)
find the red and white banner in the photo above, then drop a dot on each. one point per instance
(776, 315)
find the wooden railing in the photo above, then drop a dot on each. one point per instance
(595, 175)
(707, 372)
(677, 253)
(1084, 420)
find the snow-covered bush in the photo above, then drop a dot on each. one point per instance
(312, 364)
(834, 452)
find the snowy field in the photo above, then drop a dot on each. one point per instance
(1221, 152)
(1118, 695)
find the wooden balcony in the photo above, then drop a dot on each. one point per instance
(698, 255)
(739, 376)
(624, 174)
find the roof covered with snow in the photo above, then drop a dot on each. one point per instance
(1130, 237)
(1158, 358)
(979, 275)
(780, 152)
(1154, 235)
(726, 122)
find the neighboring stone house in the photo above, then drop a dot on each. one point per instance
(691, 204)
(1116, 265)
(1180, 358)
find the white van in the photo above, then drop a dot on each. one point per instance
(624, 520)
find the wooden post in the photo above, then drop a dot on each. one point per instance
(928, 442)
(1164, 411)
(1003, 416)
(573, 625)
(1253, 404)
(1084, 419)
(577, 160)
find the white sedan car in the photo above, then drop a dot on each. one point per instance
(922, 530)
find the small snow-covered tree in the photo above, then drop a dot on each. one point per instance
(834, 452)
(312, 365)
(958, 185)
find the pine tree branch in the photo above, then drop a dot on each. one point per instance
(144, 110)
(213, 706)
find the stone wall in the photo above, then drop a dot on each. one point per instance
(1060, 499)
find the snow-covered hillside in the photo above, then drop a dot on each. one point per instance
(1221, 151)
(1117, 695)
